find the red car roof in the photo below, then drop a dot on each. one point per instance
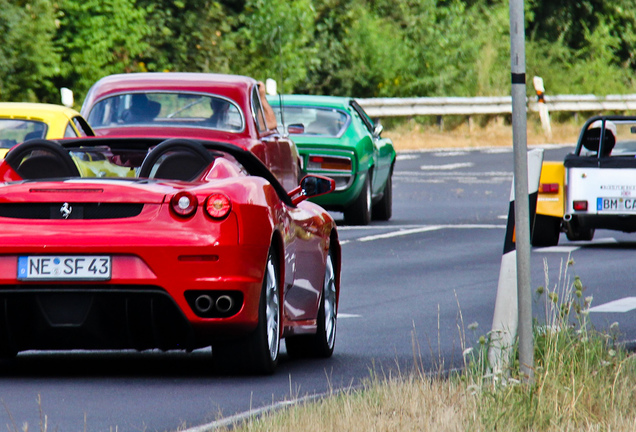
(235, 87)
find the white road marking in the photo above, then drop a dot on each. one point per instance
(557, 249)
(577, 245)
(419, 229)
(621, 305)
(508, 174)
(402, 156)
(450, 153)
(447, 167)
(344, 315)
(494, 150)
(376, 227)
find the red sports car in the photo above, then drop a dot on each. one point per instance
(225, 108)
(117, 243)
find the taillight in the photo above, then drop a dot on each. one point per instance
(550, 188)
(184, 204)
(331, 163)
(580, 205)
(218, 206)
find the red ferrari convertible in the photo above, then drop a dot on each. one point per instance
(119, 243)
(225, 108)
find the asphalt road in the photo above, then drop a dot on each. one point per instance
(410, 289)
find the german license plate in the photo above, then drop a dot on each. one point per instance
(64, 267)
(616, 205)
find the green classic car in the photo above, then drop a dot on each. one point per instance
(336, 138)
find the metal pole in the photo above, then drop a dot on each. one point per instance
(522, 205)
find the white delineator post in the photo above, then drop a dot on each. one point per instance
(544, 114)
(506, 316)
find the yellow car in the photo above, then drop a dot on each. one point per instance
(550, 205)
(21, 121)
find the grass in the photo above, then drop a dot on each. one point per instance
(583, 381)
(412, 135)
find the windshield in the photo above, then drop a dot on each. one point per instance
(167, 110)
(13, 131)
(316, 121)
(619, 138)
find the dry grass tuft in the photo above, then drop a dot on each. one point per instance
(584, 381)
(414, 136)
(412, 403)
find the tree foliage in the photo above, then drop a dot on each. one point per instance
(28, 58)
(98, 38)
(362, 48)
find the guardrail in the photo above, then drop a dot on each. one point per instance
(440, 106)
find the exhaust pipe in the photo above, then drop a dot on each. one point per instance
(203, 303)
(224, 303)
(567, 217)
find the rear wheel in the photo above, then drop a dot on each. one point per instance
(359, 212)
(577, 233)
(383, 210)
(323, 342)
(258, 352)
(546, 231)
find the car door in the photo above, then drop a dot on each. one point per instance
(306, 240)
(382, 150)
(281, 154)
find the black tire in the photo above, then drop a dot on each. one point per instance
(323, 342)
(257, 353)
(383, 209)
(359, 212)
(547, 230)
(577, 233)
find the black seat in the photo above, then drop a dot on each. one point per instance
(176, 159)
(142, 110)
(34, 135)
(40, 159)
(592, 139)
(180, 166)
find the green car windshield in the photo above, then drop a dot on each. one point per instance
(316, 121)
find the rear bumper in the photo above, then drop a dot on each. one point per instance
(149, 302)
(625, 223)
(340, 200)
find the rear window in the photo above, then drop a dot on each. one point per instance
(166, 110)
(13, 131)
(316, 121)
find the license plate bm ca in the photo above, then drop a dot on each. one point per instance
(616, 204)
(64, 267)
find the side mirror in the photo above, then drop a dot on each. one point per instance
(378, 130)
(297, 128)
(310, 186)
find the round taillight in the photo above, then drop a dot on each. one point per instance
(184, 204)
(218, 206)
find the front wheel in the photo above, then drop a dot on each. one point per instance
(359, 212)
(323, 342)
(258, 352)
